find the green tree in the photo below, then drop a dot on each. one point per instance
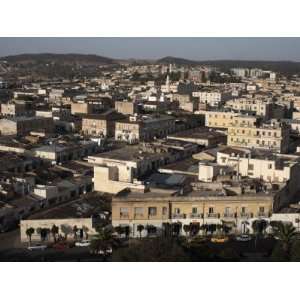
(140, 228)
(286, 233)
(259, 226)
(66, 230)
(54, 232)
(187, 229)
(29, 233)
(86, 232)
(75, 230)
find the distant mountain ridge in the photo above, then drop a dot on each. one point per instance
(27, 60)
(69, 58)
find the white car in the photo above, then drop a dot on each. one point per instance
(37, 247)
(244, 238)
(84, 243)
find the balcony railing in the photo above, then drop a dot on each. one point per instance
(178, 216)
(246, 215)
(229, 215)
(263, 214)
(213, 215)
(196, 216)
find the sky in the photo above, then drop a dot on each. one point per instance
(154, 48)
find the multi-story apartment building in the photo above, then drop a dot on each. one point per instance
(246, 132)
(275, 168)
(144, 128)
(100, 125)
(214, 98)
(156, 209)
(219, 119)
(126, 107)
(260, 107)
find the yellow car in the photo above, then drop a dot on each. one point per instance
(222, 239)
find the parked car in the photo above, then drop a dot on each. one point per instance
(100, 252)
(244, 238)
(37, 247)
(221, 239)
(83, 243)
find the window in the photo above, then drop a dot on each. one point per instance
(139, 211)
(251, 167)
(152, 211)
(227, 210)
(269, 166)
(124, 212)
(164, 210)
(261, 210)
(177, 211)
(211, 210)
(194, 210)
(243, 210)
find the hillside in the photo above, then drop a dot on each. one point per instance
(284, 67)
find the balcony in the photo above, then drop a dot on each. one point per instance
(229, 215)
(246, 215)
(263, 215)
(138, 216)
(178, 216)
(213, 215)
(196, 216)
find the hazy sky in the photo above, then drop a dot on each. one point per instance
(190, 48)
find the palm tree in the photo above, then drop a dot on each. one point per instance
(66, 230)
(75, 229)
(245, 224)
(140, 228)
(187, 229)
(86, 232)
(29, 233)
(286, 233)
(39, 231)
(54, 231)
(259, 227)
(103, 241)
(176, 228)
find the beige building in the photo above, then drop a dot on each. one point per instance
(119, 169)
(100, 125)
(158, 208)
(246, 133)
(81, 108)
(214, 98)
(219, 119)
(266, 166)
(13, 109)
(23, 125)
(126, 107)
(144, 128)
(260, 107)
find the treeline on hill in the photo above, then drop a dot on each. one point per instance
(287, 68)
